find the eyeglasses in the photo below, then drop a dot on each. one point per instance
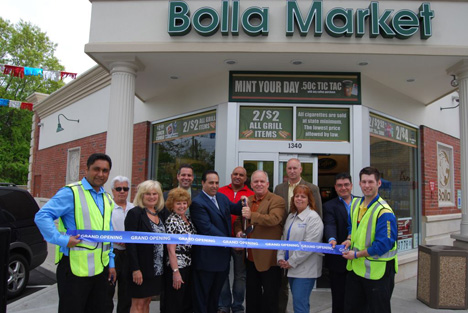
(119, 189)
(346, 185)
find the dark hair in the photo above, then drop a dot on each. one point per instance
(370, 171)
(203, 178)
(305, 189)
(98, 156)
(343, 175)
(185, 165)
(175, 195)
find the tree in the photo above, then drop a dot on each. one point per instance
(22, 44)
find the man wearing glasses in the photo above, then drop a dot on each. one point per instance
(120, 186)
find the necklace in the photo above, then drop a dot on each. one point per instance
(151, 213)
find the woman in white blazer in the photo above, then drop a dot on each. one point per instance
(303, 224)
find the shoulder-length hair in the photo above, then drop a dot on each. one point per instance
(305, 190)
(176, 195)
(146, 186)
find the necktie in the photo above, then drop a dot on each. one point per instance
(215, 202)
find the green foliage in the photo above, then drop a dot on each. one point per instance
(25, 44)
(21, 44)
(15, 134)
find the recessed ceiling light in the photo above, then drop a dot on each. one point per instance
(296, 62)
(230, 62)
(174, 77)
(363, 63)
(410, 80)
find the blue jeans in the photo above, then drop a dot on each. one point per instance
(301, 289)
(238, 288)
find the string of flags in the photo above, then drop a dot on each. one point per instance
(16, 104)
(21, 72)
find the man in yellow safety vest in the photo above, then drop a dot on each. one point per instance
(372, 242)
(85, 268)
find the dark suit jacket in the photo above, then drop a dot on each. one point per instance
(268, 223)
(140, 255)
(282, 190)
(335, 220)
(211, 221)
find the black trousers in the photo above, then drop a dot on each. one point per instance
(262, 289)
(370, 296)
(338, 289)
(206, 290)
(81, 294)
(283, 295)
(123, 276)
(180, 300)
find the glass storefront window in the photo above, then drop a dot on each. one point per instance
(198, 151)
(186, 140)
(394, 152)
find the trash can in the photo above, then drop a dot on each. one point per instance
(443, 277)
(4, 247)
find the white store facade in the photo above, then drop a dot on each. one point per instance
(338, 84)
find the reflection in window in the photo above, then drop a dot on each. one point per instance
(198, 151)
(398, 165)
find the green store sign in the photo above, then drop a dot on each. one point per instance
(297, 87)
(261, 123)
(229, 18)
(198, 124)
(322, 124)
(387, 129)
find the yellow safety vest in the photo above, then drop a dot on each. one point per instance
(372, 267)
(88, 258)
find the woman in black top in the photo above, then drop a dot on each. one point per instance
(146, 260)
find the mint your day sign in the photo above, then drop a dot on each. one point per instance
(229, 18)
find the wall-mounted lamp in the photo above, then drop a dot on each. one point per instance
(59, 126)
(454, 81)
(40, 124)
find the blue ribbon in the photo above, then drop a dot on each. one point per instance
(189, 239)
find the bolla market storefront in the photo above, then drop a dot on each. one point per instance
(338, 84)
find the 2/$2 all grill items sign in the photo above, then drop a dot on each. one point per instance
(337, 22)
(198, 124)
(336, 88)
(312, 124)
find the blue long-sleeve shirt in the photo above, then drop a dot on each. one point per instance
(386, 231)
(62, 205)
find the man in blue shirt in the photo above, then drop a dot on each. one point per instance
(335, 220)
(84, 269)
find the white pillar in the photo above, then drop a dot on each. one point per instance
(119, 144)
(461, 70)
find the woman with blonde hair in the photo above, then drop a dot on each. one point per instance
(303, 224)
(146, 260)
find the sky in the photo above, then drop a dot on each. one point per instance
(66, 23)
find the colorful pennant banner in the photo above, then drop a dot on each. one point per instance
(16, 104)
(21, 72)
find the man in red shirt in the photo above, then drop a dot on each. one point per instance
(227, 301)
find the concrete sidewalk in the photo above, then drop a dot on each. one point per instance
(403, 300)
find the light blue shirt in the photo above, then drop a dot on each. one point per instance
(62, 205)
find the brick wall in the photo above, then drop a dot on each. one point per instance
(429, 139)
(50, 165)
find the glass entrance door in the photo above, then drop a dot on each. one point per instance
(275, 165)
(309, 165)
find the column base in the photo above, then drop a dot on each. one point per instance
(460, 241)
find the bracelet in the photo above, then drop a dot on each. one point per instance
(175, 270)
(355, 254)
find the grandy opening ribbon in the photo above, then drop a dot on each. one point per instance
(186, 239)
